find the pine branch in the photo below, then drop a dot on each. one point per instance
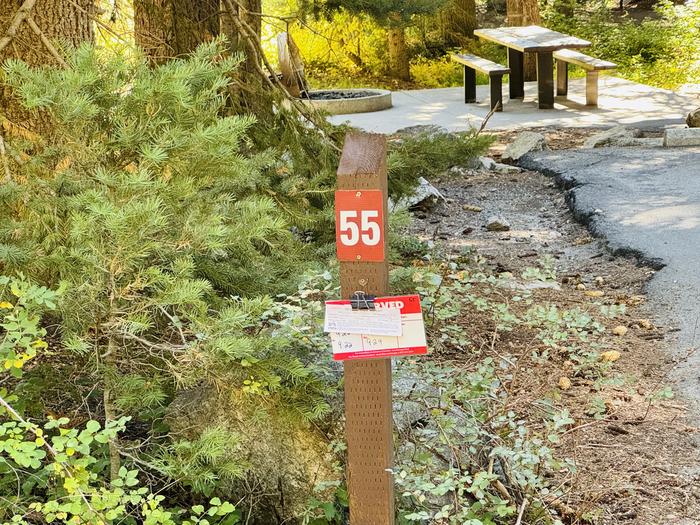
(6, 165)
(253, 43)
(47, 44)
(22, 13)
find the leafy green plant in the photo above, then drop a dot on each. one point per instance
(660, 50)
(65, 463)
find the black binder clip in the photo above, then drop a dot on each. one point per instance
(362, 301)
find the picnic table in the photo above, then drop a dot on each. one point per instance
(532, 39)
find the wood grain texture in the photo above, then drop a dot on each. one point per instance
(368, 390)
(588, 63)
(480, 64)
(363, 153)
(531, 39)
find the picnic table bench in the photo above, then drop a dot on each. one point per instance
(472, 64)
(532, 39)
(592, 66)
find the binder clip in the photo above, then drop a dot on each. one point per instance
(361, 301)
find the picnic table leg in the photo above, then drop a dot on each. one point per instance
(517, 82)
(496, 83)
(469, 85)
(591, 88)
(562, 78)
(545, 80)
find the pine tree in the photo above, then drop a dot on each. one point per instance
(152, 208)
(458, 20)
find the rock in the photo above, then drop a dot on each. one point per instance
(693, 119)
(620, 330)
(646, 324)
(649, 142)
(526, 142)
(285, 457)
(488, 163)
(682, 137)
(617, 136)
(610, 356)
(507, 168)
(425, 197)
(460, 171)
(497, 224)
(409, 387)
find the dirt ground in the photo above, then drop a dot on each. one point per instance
(636, 459)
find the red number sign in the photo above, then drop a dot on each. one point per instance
(359, 225)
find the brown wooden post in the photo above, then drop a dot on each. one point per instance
(368, 410)
(469, 85)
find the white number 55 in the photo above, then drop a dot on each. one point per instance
(350, 230)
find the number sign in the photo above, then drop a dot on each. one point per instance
(359, 225)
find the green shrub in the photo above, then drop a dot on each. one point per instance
(429, 153)
(58, 465)
(437, 73)
(166, 225)
(661, 50)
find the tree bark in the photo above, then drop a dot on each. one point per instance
(167, 29)
(60, 22)
(525, 13)
(458, 22)
(399, 66)
(248, 12)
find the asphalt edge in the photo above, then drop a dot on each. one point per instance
(586, 217)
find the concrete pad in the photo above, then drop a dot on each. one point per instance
(620, 102)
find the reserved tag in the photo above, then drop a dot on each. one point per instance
(382, 321)
(363, 345)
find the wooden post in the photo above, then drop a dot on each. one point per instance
(368, 396)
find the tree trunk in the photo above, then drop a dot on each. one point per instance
(248, 12)
(399, 67)
(167, 29)
(36, 39)
(525, 13)
(458, 22)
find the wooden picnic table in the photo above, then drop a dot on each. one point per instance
(532, 39)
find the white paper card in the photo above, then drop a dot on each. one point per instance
(342, 318)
